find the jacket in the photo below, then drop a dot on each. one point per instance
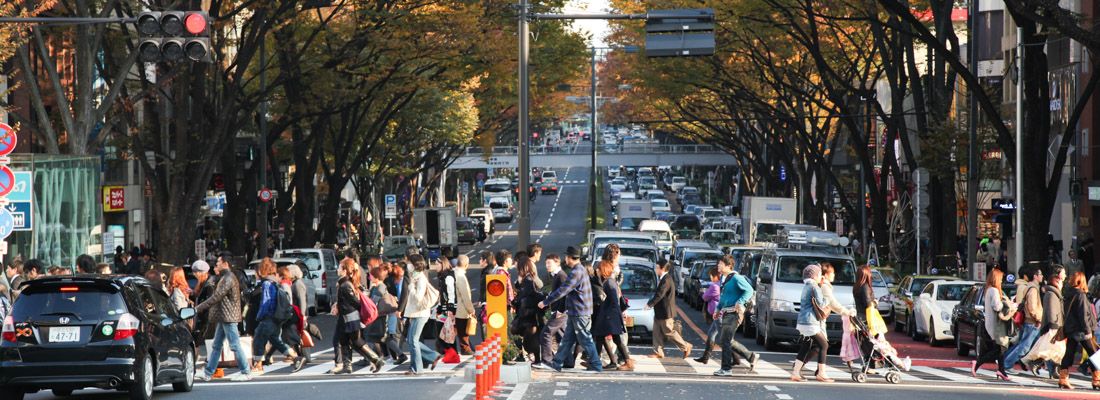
(664, 301)
(556, 282)
(864, 298)
(711, 296)
(1079, 316)
(347, 299)
(417, 289)
(996, 312)
(13, 287)
(269, 300)
(402, 293)
(528, 296)
(464, 301)
(298, 295)
(609, 313)
(735, 290)
(1029, 297)
(1053, 318)
(811, 293)
(577, 292)
(225, 302)
(378, 327)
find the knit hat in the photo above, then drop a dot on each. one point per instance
(812, 271)
(200, 266)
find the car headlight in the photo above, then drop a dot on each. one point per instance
(946, 316)
(782, 306)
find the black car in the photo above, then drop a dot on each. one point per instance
(968, 318)
(698, 282)
(113, 332)
(687, 221)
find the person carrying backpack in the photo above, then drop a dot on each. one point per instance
(274, 310)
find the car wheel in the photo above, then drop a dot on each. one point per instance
(961, 349)
(62, 392)
(931, 333)
(749, 331)
(142, 388)
(759, 337)
(188, 381)
(770, 343)
(911, 328)
(897, 322)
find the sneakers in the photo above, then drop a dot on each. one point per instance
(241, 378)
(907, 364)
(299, 363)
(753, 360)
(723, 372)
(542, 366)
(203, 376)
(590, 371)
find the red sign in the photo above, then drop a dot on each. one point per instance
(114, 198)
(266, 195)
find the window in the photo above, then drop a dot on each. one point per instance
(951, 292)
(88, 303)
(927, 290)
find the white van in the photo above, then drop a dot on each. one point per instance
(497, 187)
(779, 292)
(322, 265)
(502, 209)
(662, 230)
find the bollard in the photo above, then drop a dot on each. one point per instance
(498, 353)
(479, 372)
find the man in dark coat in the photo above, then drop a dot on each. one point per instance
(554, 328)
(663, 304)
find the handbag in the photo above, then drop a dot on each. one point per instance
(471, 327)
(875, 324)
(307, 339)
(1095, 360)
(387, 304)
(819, 311)
(351, 322)
(1047, 347)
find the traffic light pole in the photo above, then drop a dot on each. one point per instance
(524, 131)
(592, 195)
(261, 219)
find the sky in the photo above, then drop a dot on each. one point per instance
(598, 28)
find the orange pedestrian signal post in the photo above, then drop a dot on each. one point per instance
(496, 307)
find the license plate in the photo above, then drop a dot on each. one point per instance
(629, 322)
(64, 334)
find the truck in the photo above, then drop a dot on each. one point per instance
(437, 227)
(630, 213)
(762, 217)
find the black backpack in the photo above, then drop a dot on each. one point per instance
(284, 311)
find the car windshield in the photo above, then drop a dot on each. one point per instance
(712, 213)
(703, 267)
(498, 187)
(498, 205)
(630, 224)
(312, 260)
(877, 280)
(719, 237)
(661, 235)
(790, 268)
(638, 279)
(678, 180)
(602, 242)
(693, 256)
(86, 303)
(919, 284)
(465, 225)
(951, 292)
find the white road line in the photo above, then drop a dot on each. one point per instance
(765, 368)
(561, 392)
(782, 396)
(1015, 379)
(518, 392)
(647, 365)
(951, 376)
(463, 391)
(562, 384)
(704, 369)
(325, 381)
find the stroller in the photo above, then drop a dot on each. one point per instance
(876, 355)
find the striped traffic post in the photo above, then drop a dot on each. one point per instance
(479, 372)
(495, 363)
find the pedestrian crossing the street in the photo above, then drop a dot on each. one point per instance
(770, 366)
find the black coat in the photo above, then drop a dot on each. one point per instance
(664, 301)
(556, 281)
(609, 312)
(526, 303)
(347, 300)
(1079, 316)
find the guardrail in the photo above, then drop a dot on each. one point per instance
(627, 148)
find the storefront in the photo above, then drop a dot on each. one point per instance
(62, 217)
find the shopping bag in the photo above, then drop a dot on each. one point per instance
(471, 327)
(307, 339)
(228, 358)
(849, 345)
(1044, 350)
(875, 324)
(1095, 360)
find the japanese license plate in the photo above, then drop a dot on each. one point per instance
(64, 334)
(629, 321)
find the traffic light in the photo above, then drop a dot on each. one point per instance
(172, 36)
(496, 306)
(680, 33)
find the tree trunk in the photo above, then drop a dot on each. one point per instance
(330, 222)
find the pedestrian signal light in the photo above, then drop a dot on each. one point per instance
(496, 306)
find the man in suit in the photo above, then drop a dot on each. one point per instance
(663, 304)
(555, 325)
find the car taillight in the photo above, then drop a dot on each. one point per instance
(324, 281)
(9, 329)
(127, 326)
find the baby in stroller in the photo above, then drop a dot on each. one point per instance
(873, 351)
(883, 347)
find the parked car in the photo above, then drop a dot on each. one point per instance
(655, 194)
(686, 190)
(394, 247)
(691, 199)
(684, 270)
(779, 289)
(698, 281)
(644, 251)
(617, 184)
(908, 290)
(311, 291)
(467, 231)
(934, 307)
(322, 265)
(969, 316)
(882, 294)
(748, 265)
(67, 333)
(638, 286)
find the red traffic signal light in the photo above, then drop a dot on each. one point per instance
(174, 35)
(195, 23)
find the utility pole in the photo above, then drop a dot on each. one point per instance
(1019, 147)
(524, 151)
(972, 176)
(261, 219)
(593, 196)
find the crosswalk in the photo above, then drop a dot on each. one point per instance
(770, 366)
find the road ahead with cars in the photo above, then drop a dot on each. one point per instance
(558, 221)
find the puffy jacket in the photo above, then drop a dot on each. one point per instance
(418, 289)
(711, 297)
(225, 303)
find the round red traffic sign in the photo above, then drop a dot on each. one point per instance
(7, 139)
(266, 195)
(7, 180)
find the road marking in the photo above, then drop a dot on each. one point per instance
(1015, 379)
(463, 391)
(704, 369)
(691, 324)
(772, 388)
(318, 369)
(325, 381)
(648, 365)
(561, 392)
(563, 384)
(767, 369)
(518, 392)
(782, 396)
(947, 375)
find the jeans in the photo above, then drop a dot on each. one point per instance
(268, 331)
(732, 350)
(1028, 334)
(418, 351)
(578, 330)
(222, 332)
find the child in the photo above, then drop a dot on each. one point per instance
(711, 298)
(891, 353)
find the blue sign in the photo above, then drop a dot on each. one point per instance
(783, 173)
(22, 214)
(24, 187)
(391, 199)
(7, 224)
(1010, 278)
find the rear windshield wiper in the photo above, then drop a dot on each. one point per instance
(60, 313)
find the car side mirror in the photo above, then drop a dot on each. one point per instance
(187, 313)
(926, 296)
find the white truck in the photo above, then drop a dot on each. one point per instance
(762, 217)
(630, 213)
(438, 229)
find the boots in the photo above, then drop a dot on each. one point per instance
(796, 374)
(1095, 380)
(706, 355)
(628, 366)
(346, 369)
(1063, 379)
(375, 361)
